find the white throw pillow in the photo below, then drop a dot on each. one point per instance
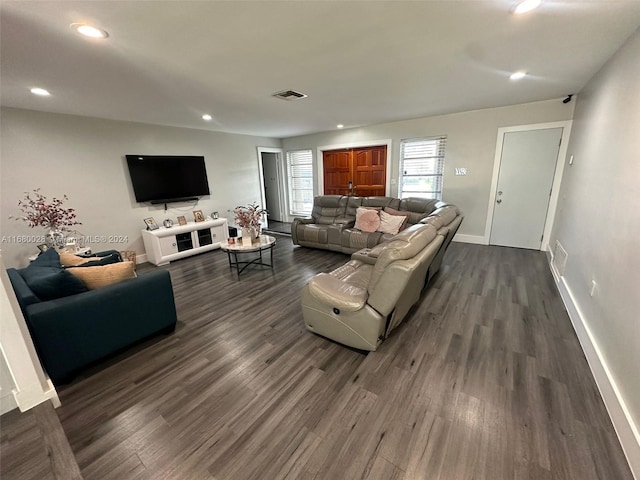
(390, 223)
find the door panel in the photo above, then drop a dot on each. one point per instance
(365, 167)
(527, 168)
(337, 172)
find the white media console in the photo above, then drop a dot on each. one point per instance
(167, 244)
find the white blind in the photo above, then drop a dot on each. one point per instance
(422, 167)
(300, 171)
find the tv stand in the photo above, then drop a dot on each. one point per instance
(180, 241)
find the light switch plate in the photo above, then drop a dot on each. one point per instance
(461, 170)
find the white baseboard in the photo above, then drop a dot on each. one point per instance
(141, 258)
(7, 403)
(614, 402)
(477, 239)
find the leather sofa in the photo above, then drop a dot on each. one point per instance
(76, 331)
(361, 302)
(332, 223)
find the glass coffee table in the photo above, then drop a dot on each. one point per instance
(264, 243)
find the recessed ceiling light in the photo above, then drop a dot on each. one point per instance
(518, 75)
(340, 125)
(40, 91)
(206, 117)
(526, 6)
(89, 31)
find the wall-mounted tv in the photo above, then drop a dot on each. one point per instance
(164, 178)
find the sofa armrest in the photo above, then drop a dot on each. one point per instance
(345, 222)
(303, 220)
(336, 293)
(75, 331)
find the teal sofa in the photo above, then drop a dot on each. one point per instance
(79, 330)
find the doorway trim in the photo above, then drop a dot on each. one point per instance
(280, 166)
(364, 143)
(557, 178)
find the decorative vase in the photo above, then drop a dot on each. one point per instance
(55, 239)
(247, 236)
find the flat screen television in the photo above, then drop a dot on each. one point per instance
(164, 178)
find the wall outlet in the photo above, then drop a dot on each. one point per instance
(592, 292)
(461, 170)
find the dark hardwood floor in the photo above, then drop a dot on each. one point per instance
(485, 379)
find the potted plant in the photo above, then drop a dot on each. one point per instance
(248, 219)
(38, 211)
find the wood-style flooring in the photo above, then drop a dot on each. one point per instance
(485, 379)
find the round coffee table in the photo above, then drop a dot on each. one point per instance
(264, 243)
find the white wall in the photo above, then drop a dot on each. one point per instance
(471, 143)
(598, 224)
(83, 158)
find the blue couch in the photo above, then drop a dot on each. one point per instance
(73, 332)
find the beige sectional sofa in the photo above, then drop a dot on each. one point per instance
(332, 222)
(361, 302)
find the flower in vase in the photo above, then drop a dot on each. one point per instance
(249, 216)
(38, 211)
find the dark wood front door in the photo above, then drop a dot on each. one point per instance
(364, 167)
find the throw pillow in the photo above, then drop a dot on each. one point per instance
(70, 260)
(367, 220)
(48, 280)
(390, 223)
(400, 213)
(48, 258)
(102, 276)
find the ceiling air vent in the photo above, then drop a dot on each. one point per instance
(289, 95)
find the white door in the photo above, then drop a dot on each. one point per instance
(271, 185)
(527, 167)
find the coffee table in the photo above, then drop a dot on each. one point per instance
(264, 243)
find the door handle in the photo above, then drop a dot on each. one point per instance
(499, 200)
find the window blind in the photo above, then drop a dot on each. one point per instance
(300, 174)
(422, 167)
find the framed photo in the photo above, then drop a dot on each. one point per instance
(151, 224)
(43, 247)
(182, 220)
(198, 216)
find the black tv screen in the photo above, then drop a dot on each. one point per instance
(163, 178)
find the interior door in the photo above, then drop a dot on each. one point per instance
(359, 171)
(336, 171)
(370, 171)
(527, 168)
(271, 185)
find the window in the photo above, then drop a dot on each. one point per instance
(300, 171)
(421, 167)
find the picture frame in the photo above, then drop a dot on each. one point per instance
(151, 224)
(198, 216)
(182, 220)
(43, 247)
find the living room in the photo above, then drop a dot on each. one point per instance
(65, 151)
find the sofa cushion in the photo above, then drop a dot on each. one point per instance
(337, 293)
(102, 276)
(71, 260)
(367, 220)
(399, 213)
(391, 223)
(48, 280)
(405, 245)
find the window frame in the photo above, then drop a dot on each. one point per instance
(432, 163)
(290, 158)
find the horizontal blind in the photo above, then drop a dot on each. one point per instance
(300, 172)
(422, 167)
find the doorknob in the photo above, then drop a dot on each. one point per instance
(499, 200)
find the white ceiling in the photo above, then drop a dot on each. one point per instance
(360, 62)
